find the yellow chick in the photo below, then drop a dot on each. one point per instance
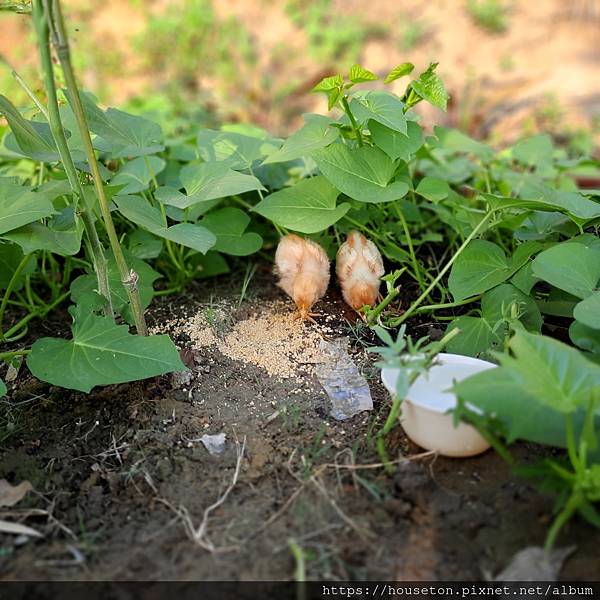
(359, 268)
(303, 270)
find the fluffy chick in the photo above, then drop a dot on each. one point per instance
(359, 268)
(303, 269)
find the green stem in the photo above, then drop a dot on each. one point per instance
(352, 120)
(31, 95)
(39, 313)
(298, 554)
(391, 296)
(41, 22)
(566, 513)
(411, 249)
(434, 307)
(128, 278)
(413, 307)
(10, 287)
(9, 355)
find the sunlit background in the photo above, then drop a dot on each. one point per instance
(512, 67)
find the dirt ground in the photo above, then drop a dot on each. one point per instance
(118, 472)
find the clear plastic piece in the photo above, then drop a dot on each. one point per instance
(346, 387)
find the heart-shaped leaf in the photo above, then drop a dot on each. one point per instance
(20, 206)
(125, 135)
(208, 181)
(587, 311)
(307, 207)
(138, 210)
(431, 88)
(101, 353)
(396, 144)
(571, 266)
(433, 189)
(382, 107)
(61, 234)
(359, 74)
(476, 338)
(137, 174)
(363, 173)
(316, 133)
(32, 139)
(229, 226)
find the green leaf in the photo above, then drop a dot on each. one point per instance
(237, 150)
(101, 353)
(138, 210)
(125, 135)
(544, 380)
(456, 141)
(327, 84)
(396, 144)
(143, 244)
(3, 389)
(208, 181)
(210, 264)
(576, 206)
(496, 305)
(307, 207)
(84, 284)
(359, 74)
(498, 395)
(229, 225)
(137, 174)
(33, 139)
(61, 234)
(536, 150)
(431, 88)
(382, 107)
(20, 206)
(552, 372)
(10, 257)
(363, 173)
(401, 70)
(476, 336)
(585, 337)
(433, 189)
(481, 266)
(571, 266)
(316, 133)
(587, 311)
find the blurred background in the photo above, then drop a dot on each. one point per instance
(512, 67)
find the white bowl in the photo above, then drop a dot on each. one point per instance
(425, 417)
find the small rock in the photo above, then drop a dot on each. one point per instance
(215, 444)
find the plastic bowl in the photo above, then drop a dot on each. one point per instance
(425, 417)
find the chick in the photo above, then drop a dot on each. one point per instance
(303, 269)
(359, 267)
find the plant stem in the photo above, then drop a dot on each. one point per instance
(413, 307)
(40, 19)
(10, 287)
(352, 120)
(411, 249)
(434, 307)
(391, 296)
(128, 278)
(9, 355)
(566, 513)
(32, 315)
